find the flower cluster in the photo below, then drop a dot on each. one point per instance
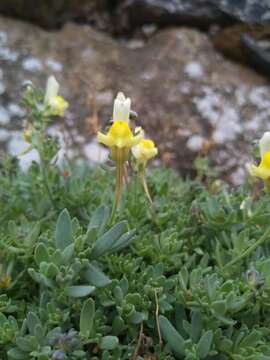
(42, 107)
(47, 105)
(120, 138)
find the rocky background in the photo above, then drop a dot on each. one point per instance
(197, 72)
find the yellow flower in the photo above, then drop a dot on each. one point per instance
(144, 151)
(263, 169)
(57, 104)
(119, 136)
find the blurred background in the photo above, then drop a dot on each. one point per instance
(197, 72)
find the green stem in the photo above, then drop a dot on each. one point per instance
(43, 166)
(145, 186)
(46, 181)
(118, 185)
(246, 253)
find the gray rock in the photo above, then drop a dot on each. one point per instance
(249, 11)
(52, 14)
(189, 98)
(258, 52)
(197, 13)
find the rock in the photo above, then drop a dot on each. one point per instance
(258, 52)
(229, 40)
(235, 20)
(197, 13)
(248, 11)
(246, 43)
(52, 14)
(252, 18)
(189, 98)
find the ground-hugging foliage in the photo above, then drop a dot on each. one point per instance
(188, 278)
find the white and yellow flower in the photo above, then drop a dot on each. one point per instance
(120, 139)
(57, 104)
(263, 169)
(120, 136)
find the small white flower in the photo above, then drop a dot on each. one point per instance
(121, 108)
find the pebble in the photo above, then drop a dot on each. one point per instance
(32, 64)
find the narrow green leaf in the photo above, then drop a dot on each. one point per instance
(41, 254)
(180, 315)
(39, 334)
(99, 219)
(118, 325)
(63, 232)
(187, 327)
(124, 241)
(44, 280)
(171, 336)
(105, 243)
(211, 286)
(196, 325)
(204, 344)
(96, 277)
(87, 318)
(32, 322)
(79, 291)
(51, 271)
(136, 318)
(68, 253)
(32, 237)
(251, 339)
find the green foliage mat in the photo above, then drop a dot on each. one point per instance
(188, 278)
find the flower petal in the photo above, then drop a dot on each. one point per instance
(264, 143)
(259, 171)
(121, 108)
(105, 139)
(52, 89)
